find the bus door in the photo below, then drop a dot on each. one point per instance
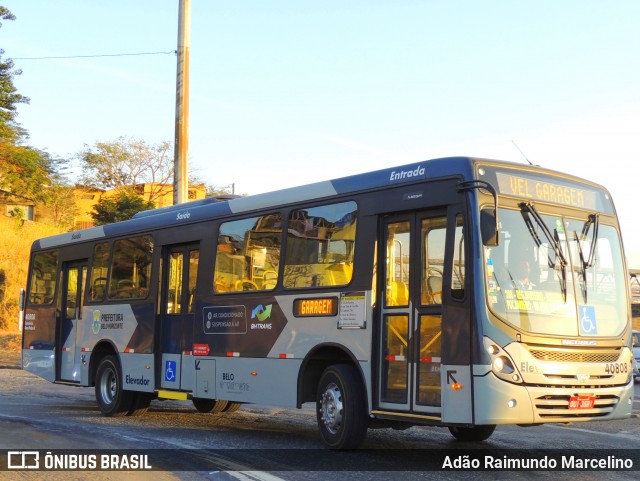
(73, 283)
(409, 377)
(177, 312)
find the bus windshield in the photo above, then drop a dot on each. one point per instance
(555, 275)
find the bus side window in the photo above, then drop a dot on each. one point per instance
(99, 267)
(248, 254)
(458, 267)
(320, 246)
(131, 267)
(433, 239)
(42, 279)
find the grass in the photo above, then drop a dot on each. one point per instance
(10, 341)
(15, 245)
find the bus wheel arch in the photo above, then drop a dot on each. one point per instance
(331, 377)
(99, 352)
(314, 365)
(113, 400)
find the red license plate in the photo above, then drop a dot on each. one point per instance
(581, 402)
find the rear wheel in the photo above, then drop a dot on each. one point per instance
(112, 399)
(209, 405)
(232, 407)
(476, 433)
(140, 404)
(341, 407)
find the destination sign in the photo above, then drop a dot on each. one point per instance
(544, 190)
(317, 306)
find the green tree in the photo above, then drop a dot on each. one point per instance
(123, 206)
(24, 170)
(216, 190)
(125, 163)
(61, 201)
(9, 96)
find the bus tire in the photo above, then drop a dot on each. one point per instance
(140, 404)
(341, 407)
(112, 399)
(232, 407)
(476, 433)
(209, 405)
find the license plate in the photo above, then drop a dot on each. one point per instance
(581, 402)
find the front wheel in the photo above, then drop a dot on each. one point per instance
(476, 433)
(112, 399)
(341, 407)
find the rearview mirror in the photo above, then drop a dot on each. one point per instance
(489, 227)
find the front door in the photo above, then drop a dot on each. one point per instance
(178, 289)
(73, 284)
(410, 350)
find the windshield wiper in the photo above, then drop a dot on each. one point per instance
(528, 209)
(595, 220)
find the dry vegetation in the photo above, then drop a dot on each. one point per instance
(15, 243)
(10, 341)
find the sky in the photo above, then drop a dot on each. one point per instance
(286, 92)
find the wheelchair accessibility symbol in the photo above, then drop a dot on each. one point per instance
(588, 325)
(170, 371)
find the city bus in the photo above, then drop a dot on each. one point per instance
(458, 292)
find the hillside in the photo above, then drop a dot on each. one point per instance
(10, 349)
(15, 245)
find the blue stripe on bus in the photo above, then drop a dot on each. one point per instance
(70, 237)
(205, 209)
(286, 196)
(405, 174)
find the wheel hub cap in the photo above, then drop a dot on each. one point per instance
(331, 408)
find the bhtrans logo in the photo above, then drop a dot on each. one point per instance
(418, 172)
(262, 314)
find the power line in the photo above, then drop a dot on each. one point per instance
(97, 55)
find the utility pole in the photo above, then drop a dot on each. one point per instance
(181, 146)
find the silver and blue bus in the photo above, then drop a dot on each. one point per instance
(457, 292)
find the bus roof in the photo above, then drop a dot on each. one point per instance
(206, 209)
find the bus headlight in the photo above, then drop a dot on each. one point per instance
(501, 363)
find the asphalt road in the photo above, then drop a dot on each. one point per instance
(262, 443)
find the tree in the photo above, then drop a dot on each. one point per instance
(215, 190)
(9, 96)
(123, 206)
(125, 163)
(61, 202)
(24, 170)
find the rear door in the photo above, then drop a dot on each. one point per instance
(73, 285)
(177, 312)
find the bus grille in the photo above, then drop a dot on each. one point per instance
(575, 356)
(551, 407)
